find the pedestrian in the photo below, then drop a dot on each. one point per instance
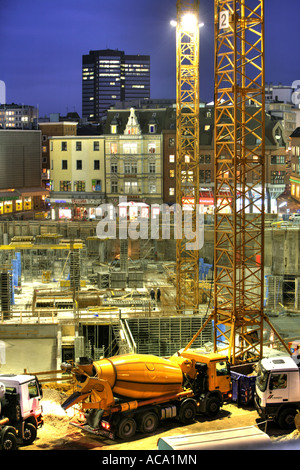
(152, 294)
(158, 294)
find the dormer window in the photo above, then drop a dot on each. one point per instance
(152, 128)
(114, 125)
(153, 124)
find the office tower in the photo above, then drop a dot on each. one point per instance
(110, 76)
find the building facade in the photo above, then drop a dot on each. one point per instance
(109, 76)
(48, 130)
(15, 116)
(20, 173)
(276, 168)
(134, 156)
(295, 164)
(77, 176)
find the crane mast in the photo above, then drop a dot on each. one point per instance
(239, 180)
(239, 176)
(187, 155)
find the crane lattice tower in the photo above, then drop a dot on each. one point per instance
(187, 155)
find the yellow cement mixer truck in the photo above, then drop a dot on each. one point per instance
(122, 394)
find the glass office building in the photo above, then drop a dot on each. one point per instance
(110, 76)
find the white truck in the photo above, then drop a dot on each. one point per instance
(277, 390)
(20, 408)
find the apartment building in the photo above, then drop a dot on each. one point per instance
(15, 116)
(77, 176)
(49, 129)
(134, 156)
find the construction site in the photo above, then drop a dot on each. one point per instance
(151, 329)
(91, 297)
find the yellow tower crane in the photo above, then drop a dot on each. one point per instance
(187, 155)
(239, 179)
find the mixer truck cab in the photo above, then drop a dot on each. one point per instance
(277, 390)
(21, 405)
(217, 369)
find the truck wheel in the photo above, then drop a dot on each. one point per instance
(148, 422)
(126, 428)
(9, 441)
(286, 418)
(187, 412)
(30, 433)
(213, 406)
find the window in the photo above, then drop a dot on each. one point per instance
(96, 164)
(171, 191)
(79, 186)
(277, 159)
(96, 146)
(78, 147)
(171, 142)
(277, 177)
(172, 174)
(64, 164)
(130, 148)
(207, 159)
(130, 168)
(64, 146)
(114, 187)
(152, 167)
(171, 158)
(113, 148)
(152, 128)
(207, 176)
(278, 381)
(78, 164)
(152, 148)
(207, 127)
(131, 187)
(65, 186)
(152, 188)
(96, 185)
(113, 128)
(114, 168)
(222, 368)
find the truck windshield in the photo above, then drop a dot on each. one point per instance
(262, 378)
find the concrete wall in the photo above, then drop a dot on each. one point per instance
(31, 347)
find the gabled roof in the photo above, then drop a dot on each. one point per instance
(296, 133)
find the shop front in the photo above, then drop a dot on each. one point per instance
(75, 208)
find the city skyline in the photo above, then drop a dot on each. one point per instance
(42, 44)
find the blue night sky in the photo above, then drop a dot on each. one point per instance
(42, 43)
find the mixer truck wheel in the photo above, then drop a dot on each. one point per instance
(187, 412)
(29, 434)
(9, 441)
(126, 428)
(286, 418)
(148, 422)
(213, 406)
